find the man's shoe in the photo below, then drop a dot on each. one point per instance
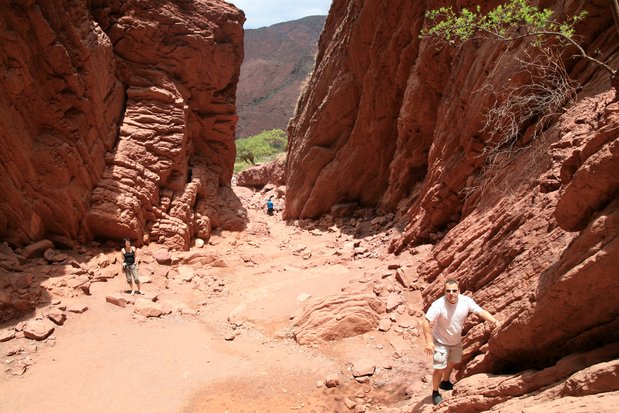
(436, 399)
(446, 385)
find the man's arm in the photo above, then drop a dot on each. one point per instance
(427, 335)
(489, 318)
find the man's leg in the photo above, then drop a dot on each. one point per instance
(454, 356)
(436, 378)
(440, 363)
(444, 381)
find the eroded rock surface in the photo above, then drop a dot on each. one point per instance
(339, 316)
(180, 64)
(118, 120)
(60, 108)
(392, 122)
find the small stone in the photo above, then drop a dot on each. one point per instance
(38, 329)
(186, 273)
(148, 308)
(349, 403)
(332, 380)
(22, 305)
(363, 367)
(57, 316)
(15, 349)
(7, 334)
(116, 299)
(384, 324)
(77, 308)
(18, 369)
(393, 301)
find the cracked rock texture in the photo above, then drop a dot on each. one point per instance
(395, 123)
(117, 120)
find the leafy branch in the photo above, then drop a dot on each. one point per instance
(512, 21)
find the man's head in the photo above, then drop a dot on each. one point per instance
(452, 290)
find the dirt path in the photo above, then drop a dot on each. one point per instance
(230, 352)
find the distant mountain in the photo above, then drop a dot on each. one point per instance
(277, 60)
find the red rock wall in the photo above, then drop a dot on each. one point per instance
(135, 115)
(344, 134)
(60, 105)
(393, 122)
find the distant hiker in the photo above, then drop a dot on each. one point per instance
(130, 266)
(270, 206)
(444, 342)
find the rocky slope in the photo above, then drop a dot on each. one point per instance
(118, 120)
(391, 122)
(277, 60)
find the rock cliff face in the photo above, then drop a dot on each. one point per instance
(118, 119)
(277, 60)
(390, 121)
(60, 108)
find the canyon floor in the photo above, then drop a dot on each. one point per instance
(227, 345)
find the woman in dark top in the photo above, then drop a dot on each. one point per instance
(130, 266)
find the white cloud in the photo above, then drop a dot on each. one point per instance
(260, 13)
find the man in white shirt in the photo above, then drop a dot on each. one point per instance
(444, 342)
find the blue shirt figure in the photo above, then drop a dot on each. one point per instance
(270, 206)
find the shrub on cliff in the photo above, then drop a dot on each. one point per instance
(511, 21)
(259, 148)
(549, 87)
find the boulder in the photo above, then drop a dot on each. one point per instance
(37, 249)
(337, 316)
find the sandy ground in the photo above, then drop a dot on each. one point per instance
(108, 360)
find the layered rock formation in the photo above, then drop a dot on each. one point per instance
(60, 107)
(277, 60)
(392, 122)
(355, 313)
(118, 120)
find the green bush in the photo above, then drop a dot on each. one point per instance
(263, 147)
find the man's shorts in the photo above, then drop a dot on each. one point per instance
(131, 272)
(444, 354)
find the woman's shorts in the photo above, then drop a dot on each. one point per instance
(131, 272)
(446, 354)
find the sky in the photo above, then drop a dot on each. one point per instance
(261, 13)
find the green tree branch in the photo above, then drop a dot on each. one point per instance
(512, 21)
